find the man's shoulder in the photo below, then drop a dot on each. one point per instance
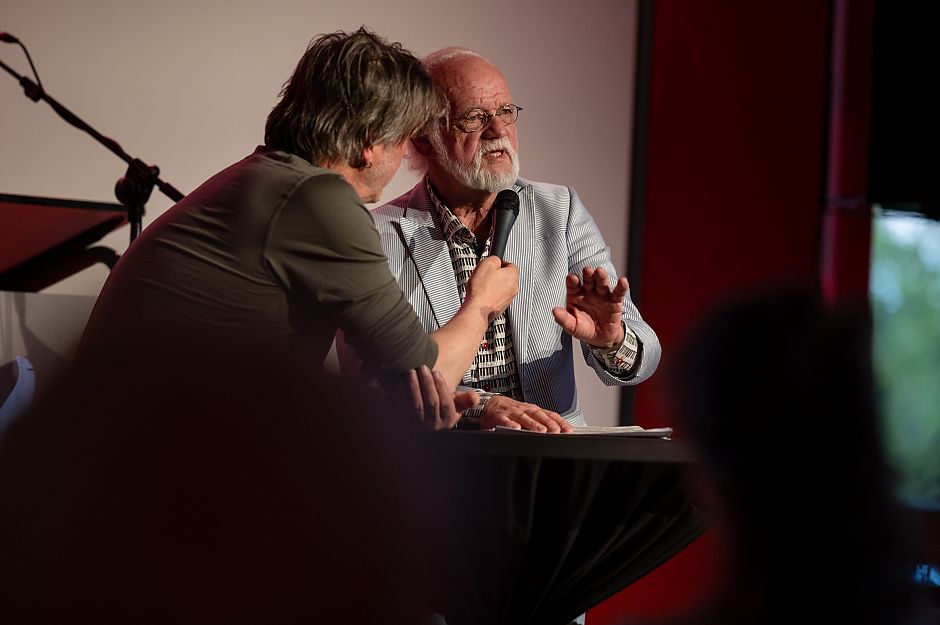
(552, 207)
(412, 203)
(269, 180)
(543, 190)
(275, 164)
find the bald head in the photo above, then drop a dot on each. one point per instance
(435, 60)
(463, 74)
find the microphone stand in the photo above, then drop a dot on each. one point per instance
(134, 188)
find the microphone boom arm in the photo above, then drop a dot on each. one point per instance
(134, 189)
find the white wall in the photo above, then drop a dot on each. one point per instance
(187, 85)
(44, 327)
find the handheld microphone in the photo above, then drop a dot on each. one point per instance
(505, 210)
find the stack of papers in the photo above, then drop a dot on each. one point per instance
(633, 431)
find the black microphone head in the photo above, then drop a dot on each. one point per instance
(507, 199)
(8, 38)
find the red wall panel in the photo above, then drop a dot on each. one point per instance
(735, 159)
(734, 192)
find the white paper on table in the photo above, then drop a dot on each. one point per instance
(633, 431)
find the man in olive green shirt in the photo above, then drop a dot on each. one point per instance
(278, 250)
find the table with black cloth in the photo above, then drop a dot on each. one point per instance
(537, 529)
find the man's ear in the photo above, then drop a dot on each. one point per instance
(422, 146)
(367, 157)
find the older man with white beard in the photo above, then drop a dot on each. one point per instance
(435, 235)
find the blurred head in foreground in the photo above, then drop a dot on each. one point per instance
(775, 389)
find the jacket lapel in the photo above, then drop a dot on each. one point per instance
(428, 252)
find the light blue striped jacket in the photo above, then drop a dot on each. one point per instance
(553, 235)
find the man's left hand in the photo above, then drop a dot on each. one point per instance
(507, 412)
(592, 310)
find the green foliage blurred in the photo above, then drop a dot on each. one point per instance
(905, 298)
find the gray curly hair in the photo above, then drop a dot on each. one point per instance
(350, 91)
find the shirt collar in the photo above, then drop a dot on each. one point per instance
(454, 230)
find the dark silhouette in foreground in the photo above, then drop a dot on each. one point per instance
(228, 487)
(775, 389)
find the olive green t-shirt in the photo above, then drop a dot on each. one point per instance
(272, 249)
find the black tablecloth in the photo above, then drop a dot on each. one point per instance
(539, 528)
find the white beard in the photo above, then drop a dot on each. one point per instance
(472, 175)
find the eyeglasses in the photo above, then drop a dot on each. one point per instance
(477, 119)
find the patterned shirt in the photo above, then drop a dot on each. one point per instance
(494, 368)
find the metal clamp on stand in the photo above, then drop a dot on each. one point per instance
(133, 191)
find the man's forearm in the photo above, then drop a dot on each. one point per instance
(458, 342)
(490, 290)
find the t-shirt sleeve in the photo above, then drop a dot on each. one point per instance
(322, 244)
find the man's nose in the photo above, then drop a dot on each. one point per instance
(495, 129)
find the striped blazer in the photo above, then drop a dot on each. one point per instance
(553, 235)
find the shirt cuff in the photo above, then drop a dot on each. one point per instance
(620, 360)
